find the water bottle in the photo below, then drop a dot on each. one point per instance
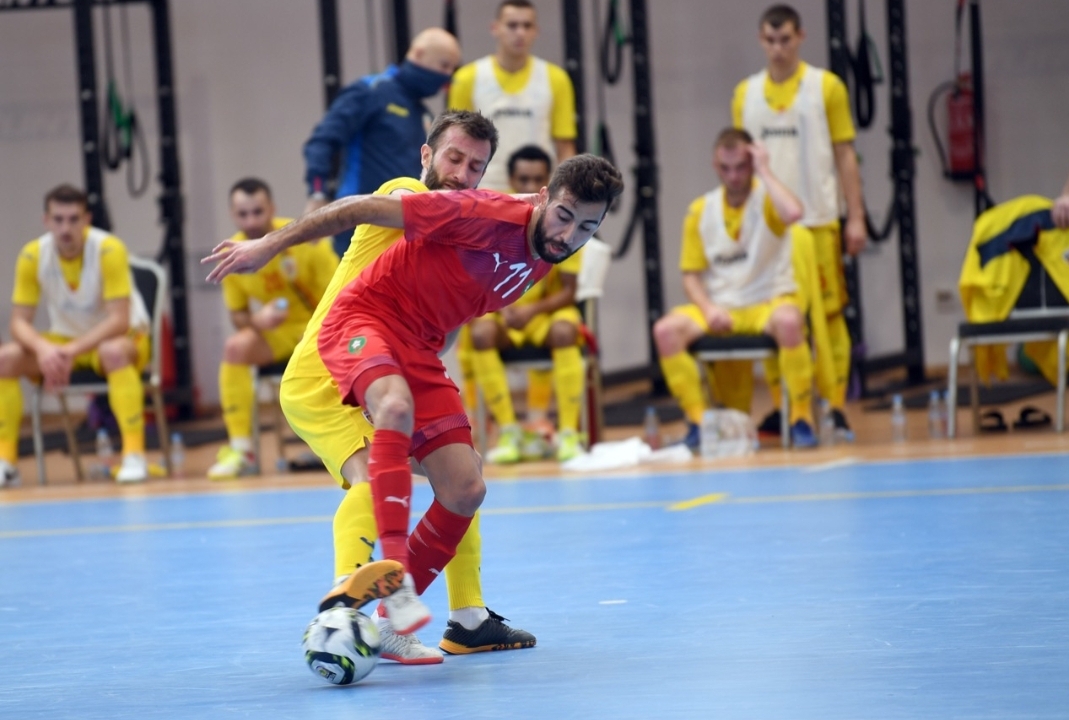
(105, 453)
(898, 419)
(937, 429)
(827, 424)
(178, 455)
(710, 434)
(652, 428)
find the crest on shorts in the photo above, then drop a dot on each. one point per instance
(357, 344)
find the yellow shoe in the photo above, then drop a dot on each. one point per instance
(508, 446)
(231, 463)
(568, 445)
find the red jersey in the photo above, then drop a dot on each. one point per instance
(466, 254)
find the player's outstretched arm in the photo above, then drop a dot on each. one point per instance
(344, 214)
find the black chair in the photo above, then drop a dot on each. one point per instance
(1041, 313)
(711, 348)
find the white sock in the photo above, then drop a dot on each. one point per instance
(241, 444)
(469, 617)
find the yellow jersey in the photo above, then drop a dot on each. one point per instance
(299, 274)
(780, 96)
(114, 270)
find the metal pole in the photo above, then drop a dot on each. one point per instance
(85, 56)
(646, 177)
(172, 209)
(330, 47)
(402, 33)
(903, 171)
(573, 63)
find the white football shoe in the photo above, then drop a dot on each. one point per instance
(9, 474)
(134, 469)
(406, 611)
(405, 649)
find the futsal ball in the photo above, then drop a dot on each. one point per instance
(341, 645)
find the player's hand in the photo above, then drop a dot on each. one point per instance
(56, 363)
(1060, 211)
(239, 257)
(270, 316)
(517, 316)
(759, 153)
(719, 320)
(856, 235)
(313, 204)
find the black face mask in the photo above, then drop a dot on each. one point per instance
(423, 82)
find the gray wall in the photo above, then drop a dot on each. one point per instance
(248, 94)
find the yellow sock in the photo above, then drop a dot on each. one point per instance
(685, 382)
(539, 391)
(796, 367)
(839, 338)
(732, 383)
(467, 370)
(462, 579)
(355, 530)
(490, 374)
(127, 399)
(236, 394)
(568, 378)
(772, 377)
(10, 419)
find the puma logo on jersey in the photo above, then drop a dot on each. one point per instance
(436, 572)
(498, 262)
(395, 499)
(730, 258)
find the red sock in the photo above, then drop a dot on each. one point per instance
(391, 491)
(434, 543)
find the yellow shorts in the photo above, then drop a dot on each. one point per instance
(314, 409)
(91, 360)
(829, 249)
(283, 339)
(536, 331)
(749, 320)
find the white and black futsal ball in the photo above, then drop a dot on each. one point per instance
(341, 645)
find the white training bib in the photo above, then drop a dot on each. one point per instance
(753, 269)
(72, 312)
(799, 143)
(522, 118)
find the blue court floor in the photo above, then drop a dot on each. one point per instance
(933, 589)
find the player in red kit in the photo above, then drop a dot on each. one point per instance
(466, 253)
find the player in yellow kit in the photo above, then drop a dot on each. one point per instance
(458, 147)
(545, 316)
(739, 277)
(269, 309)
(801, 114)
(81, 275)
(529, 100)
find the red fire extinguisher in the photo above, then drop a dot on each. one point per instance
(960, 129)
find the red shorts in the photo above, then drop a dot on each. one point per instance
(360, 349)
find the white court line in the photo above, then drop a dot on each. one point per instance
(612, 602)
(831, 465)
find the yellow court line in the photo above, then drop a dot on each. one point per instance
(696, 502)
(712, 498)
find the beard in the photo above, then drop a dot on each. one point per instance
(552, 251)
(435, 182)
